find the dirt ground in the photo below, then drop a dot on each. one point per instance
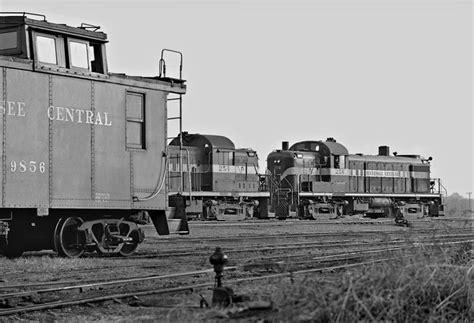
(46, 266)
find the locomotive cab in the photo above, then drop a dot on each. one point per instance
(307, 168)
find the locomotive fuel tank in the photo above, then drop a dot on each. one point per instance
(380, 202)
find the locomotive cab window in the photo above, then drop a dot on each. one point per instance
(135, 137)
(336, 161)
(225, 158)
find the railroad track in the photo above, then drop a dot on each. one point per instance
(348, 220)
(33, 299)
(248, 251)
(259, 236)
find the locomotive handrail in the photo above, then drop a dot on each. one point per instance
(189, 172)
(291, 190)
(22, 13)
(437, 187)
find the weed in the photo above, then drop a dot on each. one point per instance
(420, 284)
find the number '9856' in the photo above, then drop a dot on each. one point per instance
(23, 166)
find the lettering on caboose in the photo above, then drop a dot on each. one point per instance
(13, 108)
(79, 116)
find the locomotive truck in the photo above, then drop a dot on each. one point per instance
(320, 179)
(83, 149)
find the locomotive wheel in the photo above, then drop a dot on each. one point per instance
(130, 247)
(66, 239)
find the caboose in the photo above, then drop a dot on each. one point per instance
(219, 181)
(320, 179)
(83, 149)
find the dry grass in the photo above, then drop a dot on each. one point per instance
(428, 284)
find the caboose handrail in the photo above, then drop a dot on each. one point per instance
(160, 183)
(22, 13)
(162, 64)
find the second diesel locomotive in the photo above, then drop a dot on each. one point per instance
(317, 179)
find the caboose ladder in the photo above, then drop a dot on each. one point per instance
(179, 117)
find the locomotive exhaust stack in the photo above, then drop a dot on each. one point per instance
(384, 151)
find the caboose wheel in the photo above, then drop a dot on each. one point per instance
(67, 241)
(130, 247)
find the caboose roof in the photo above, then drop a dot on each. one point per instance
(199, 140)
(42, 24)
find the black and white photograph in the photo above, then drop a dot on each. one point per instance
(236, 161)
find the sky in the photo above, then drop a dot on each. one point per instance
(366, 72)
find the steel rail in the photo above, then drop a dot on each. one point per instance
(338, 256)
(341, 221)
(58, 304)
(194, 286)
(107, 283)
(346, 255)
(282, 246)
(11, 286)
(311, 235)
(261, 249)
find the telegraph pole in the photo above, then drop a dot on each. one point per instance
(470, 207)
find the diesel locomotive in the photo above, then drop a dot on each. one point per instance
(309, 180)
(83, 154)
(320, 179)
(218, 181)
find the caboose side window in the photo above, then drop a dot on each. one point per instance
(135, 120)
(46, 49)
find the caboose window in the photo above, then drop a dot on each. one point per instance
(8, 40)
(78, 52)
(135, 120)
(46, 49)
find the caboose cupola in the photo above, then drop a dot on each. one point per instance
(53, 47)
